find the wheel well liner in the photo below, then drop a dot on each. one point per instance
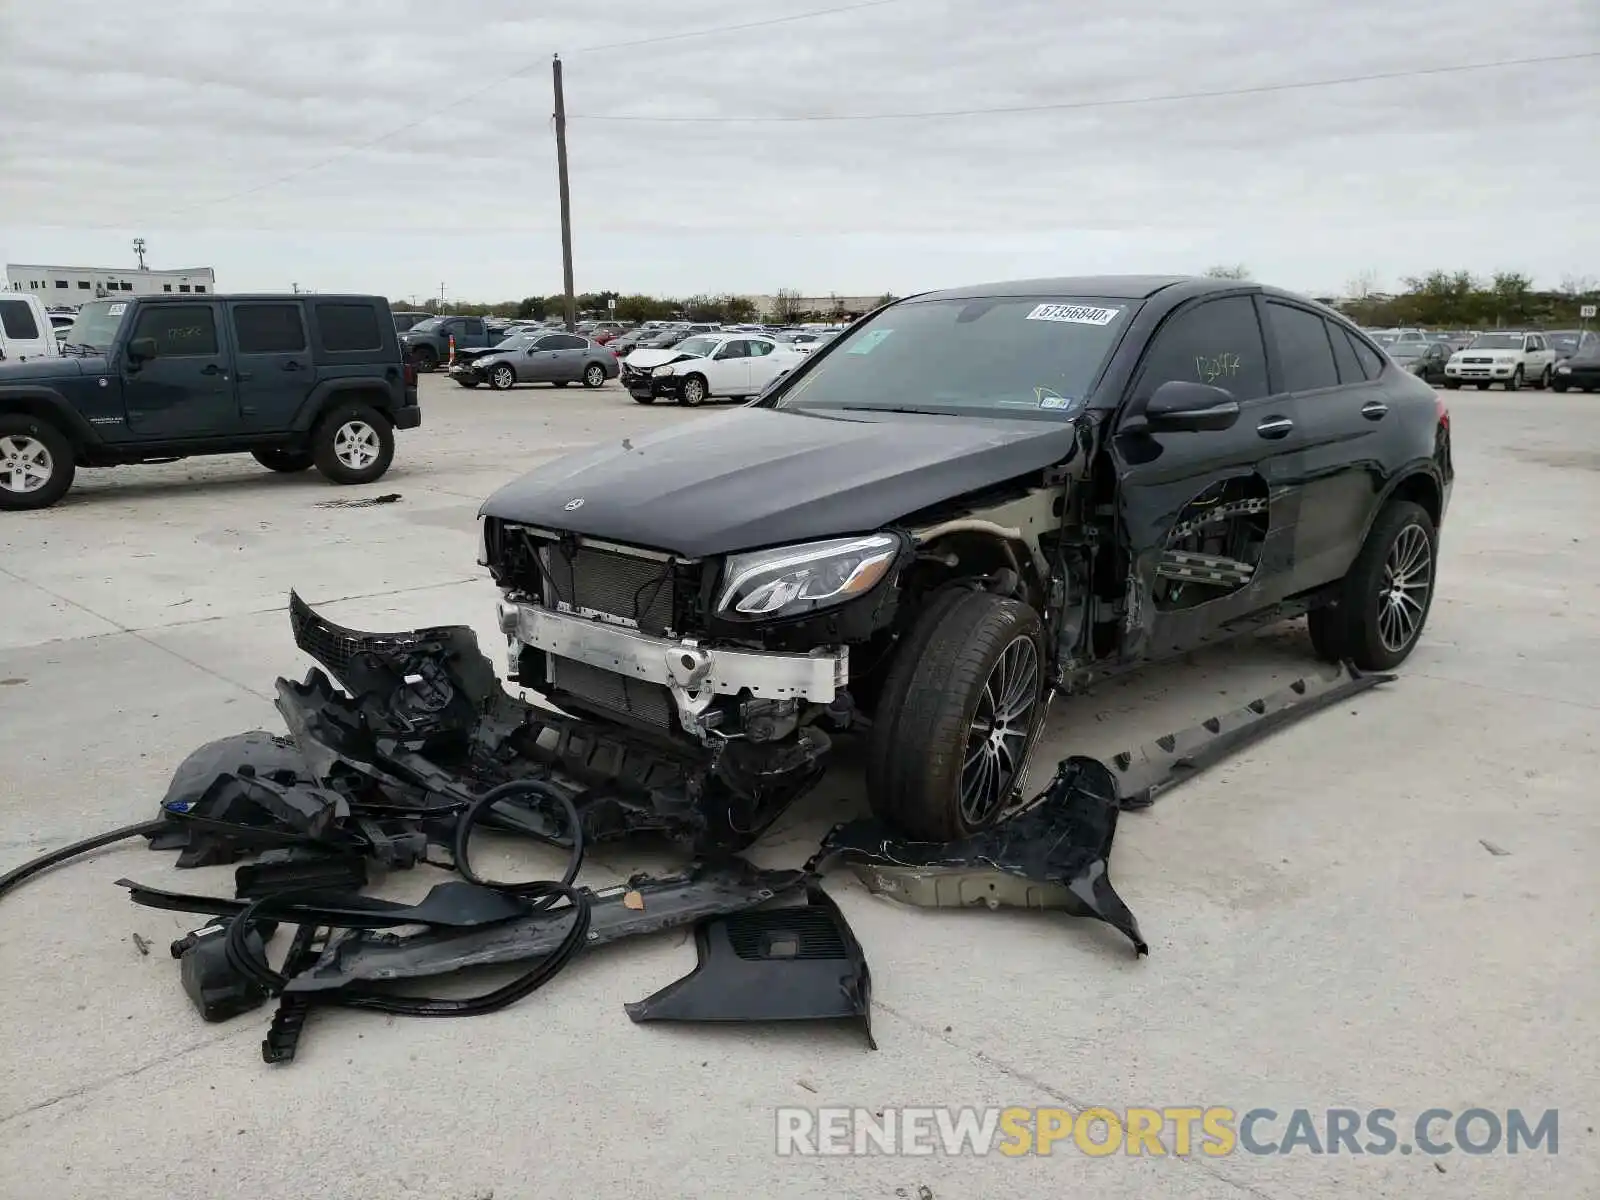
(366, 391)
(1423, 490)
(48, 406)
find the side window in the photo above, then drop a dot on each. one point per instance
(1218, 342)
(16, 318)
(568, 341)
(268, 328)
(180, 330)
(734, 349)
(1344, 355)
(760, 349)
(348, 327)
(1371, 360)
(1303, 348)
(473, 328)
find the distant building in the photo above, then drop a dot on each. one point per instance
(824, 306)
(68, 287)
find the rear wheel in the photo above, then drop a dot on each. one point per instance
(594, 375)
(36, 466)
(286, 462)
(959, 712)
(353, 444)
(1384, 599)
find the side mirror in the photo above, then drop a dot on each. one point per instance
(1179, 406)
(140, 349)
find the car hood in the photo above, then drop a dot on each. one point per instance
(42, 367)
(645, 359)
(759, 477)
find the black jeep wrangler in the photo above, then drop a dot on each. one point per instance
(296, 381)
(970, 501)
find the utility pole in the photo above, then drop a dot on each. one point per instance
(566, 197)
(441, 297)
(138, 248)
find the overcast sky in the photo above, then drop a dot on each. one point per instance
(394, 145)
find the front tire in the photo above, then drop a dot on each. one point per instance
(1384, 600)
(353, 444)
(285, 462)
(425, 359)
(1514, 384)
(959, 711)
(503, 377)
(594, 375)
(693, 392)
(1452, 384)
(1543, 381)
(36, 467)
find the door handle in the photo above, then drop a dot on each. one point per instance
(1275, 427)
(1374, 410)
(291, 365)
(211, 369)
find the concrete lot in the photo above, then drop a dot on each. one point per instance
(1327, 926)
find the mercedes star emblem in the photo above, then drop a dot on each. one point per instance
(575, 502)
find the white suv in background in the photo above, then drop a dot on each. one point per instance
(1504, 357)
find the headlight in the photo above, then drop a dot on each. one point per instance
(662, 371)
(1563, 369)
(790, 580)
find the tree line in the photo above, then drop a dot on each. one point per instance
(1438, 300)
(728, 309)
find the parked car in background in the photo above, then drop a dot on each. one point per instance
(1506, 357)
(297, 381)
(427, 343)
(623, 344)
(710, 366)
(973, 500)
(1579, 371)
(1567, 342)
(554, 358)
(26, 329)
(404, 320)
(1425, 360)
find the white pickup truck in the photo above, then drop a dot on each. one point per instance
(1504, 357)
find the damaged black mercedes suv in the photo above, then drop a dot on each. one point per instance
(970, 501)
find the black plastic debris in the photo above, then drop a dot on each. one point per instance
(1146, 772)
(217, 988)
(643, 905)
(1054, 854)
(797, 963)
(299, 870)
(367, 502)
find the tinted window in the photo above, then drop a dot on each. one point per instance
(1304, 352)
(16, 318)
(179, 329)
(268, 328)
(736, 349)
(567, 341)
(759, 349)
(1003, 356)
(1344, 356)
(474, 328)
(347, 327)
(1218, 343)
(1371, 360)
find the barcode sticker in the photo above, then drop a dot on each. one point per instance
(1074, 314)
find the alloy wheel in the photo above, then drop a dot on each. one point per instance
(594, 376)
(504, 377)
(25, 464)
(356, 445)
(998, 738)
(693, 391)
(1403, 596)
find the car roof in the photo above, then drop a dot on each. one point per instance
(1114, 287)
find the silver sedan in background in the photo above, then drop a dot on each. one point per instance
(537, 357)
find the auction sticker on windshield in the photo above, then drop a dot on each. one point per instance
(116, 310)
(1074, 314)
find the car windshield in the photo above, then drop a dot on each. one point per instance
(1589, 352)
(95, 326)
(431, 325)
(517, 341)
(700, 346)
(1497, 341)
(1014, 356)
(1563, 343)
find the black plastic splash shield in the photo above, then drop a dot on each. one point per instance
(1144, 773)
(798, 963)
(456, 904)
(1053, 854)
(643, 905)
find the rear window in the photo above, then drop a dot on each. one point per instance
(349, 327)
(1010, 356)
(16, 318)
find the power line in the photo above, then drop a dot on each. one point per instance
(1070, 105)
(485, 89)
